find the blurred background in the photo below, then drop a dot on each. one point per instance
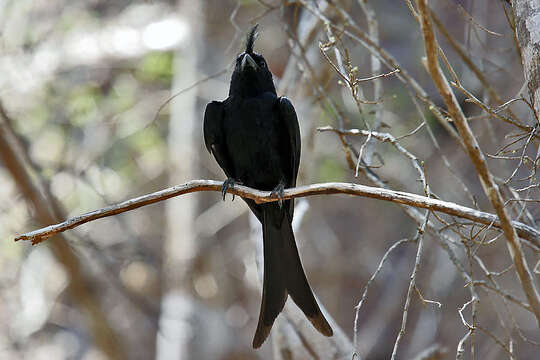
(102, 101)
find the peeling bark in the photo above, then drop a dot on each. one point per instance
(527, 24)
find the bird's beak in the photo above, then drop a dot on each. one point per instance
(247, 61)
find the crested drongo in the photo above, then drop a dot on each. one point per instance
(255, 138)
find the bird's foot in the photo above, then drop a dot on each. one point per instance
(229, 183)
(278, 191)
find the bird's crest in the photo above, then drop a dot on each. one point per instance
(251, 39)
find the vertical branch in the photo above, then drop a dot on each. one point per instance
(474, 298)
(412, 283)
(49, 211)
(475, 154)
(373, 28)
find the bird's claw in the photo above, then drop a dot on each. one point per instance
(229, 183)
(278, 191)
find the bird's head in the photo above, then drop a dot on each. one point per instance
(251, 75)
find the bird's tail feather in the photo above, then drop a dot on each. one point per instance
(283, 275)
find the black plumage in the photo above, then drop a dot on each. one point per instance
(255, 138)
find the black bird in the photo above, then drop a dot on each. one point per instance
(255, 138)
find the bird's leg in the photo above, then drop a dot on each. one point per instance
(229, 183)
(278, 191)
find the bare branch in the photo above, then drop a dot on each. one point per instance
(526, 232)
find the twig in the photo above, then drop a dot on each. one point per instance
(192, 86)
(495, 339)
(503, 294)
(472, 99)
(426, 301)
(461, 346)
(366, 288)
(377, 76)
(473, 21)
(460, 311)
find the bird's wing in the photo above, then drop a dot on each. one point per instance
(214, 137)
(290, 122)
(213, 119)
(288, 116)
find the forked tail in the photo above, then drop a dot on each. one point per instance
(283, 274)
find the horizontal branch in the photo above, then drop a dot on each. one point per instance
(526, 232)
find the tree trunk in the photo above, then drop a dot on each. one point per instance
(177, 304)
(49, 211)
(527, 24)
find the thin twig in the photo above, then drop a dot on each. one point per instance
(366, 288)
(412, 284)
(192, 86)
(461, 346)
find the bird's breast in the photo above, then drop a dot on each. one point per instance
(253, 142)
